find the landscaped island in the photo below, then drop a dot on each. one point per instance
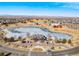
(37, 35)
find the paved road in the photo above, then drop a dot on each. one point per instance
(27, 53)
(13, 51)
(22, 53)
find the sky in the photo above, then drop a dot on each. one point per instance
(68, 9)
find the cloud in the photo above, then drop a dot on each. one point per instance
(73, 5)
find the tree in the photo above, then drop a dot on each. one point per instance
(5, 39)
(11, 39)
(69, 41)
(23, 41)
(64, 41)
(19, 38)
(37, 37)
(58, 41)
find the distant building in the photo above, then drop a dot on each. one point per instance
(56, 25)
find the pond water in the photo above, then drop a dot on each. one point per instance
(25, 31)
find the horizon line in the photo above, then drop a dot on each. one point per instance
(37, 15)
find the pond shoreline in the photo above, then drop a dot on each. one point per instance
(43, 29)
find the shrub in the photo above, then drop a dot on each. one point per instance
(1, 53)
(52, 47)
(69, 41)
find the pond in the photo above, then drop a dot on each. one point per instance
(30, 30)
